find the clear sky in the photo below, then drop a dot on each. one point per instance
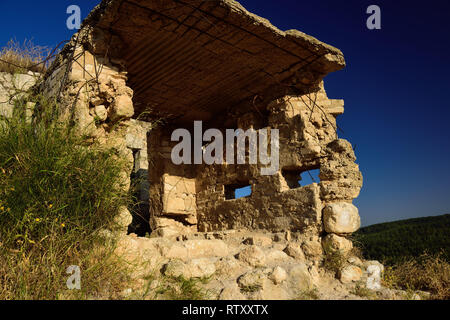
(396, 87)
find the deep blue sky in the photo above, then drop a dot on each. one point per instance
(396, 87)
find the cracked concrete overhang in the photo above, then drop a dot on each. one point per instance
(193, 60)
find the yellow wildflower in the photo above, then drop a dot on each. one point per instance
(38, 220)
(50, 206)
(63, 225)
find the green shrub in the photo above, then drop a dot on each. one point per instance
(55, 193)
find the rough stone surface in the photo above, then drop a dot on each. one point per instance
(231, 292)
(195, 268)
(123, 219)
(253, 280)
(341, 217)
(300, 277)
(229, 278)
(334, 243)
(367, 264)
(274, 256)
(101, 112)
(350, 274)
(295, 251)
(12, 88)
(278, 275)
(262, 241)
(355, 261)
(313, 248)
(253, 255)
(193, 249)
(373, 277)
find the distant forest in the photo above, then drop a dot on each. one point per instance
(392, 242)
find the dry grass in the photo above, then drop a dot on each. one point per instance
(361, 290)
(18, 57)
(429, 273)
(309, 294)
(334, 260)
(180, 288)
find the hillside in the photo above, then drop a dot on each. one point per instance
(391, 242)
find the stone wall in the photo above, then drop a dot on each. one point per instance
(92, 92)
(13, 87)
(308, 140)
(173, 202)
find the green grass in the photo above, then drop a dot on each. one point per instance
(55, 193)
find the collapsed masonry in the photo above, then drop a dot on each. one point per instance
(138, 69)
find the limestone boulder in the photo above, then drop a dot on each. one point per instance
(229, 266)
(206, 248)
(101, 112)
(276, 256)
(271, 291)
(341, 218)
(231, 292)
(369, 263)
(373, 277)
(355, 261)
(252, 280)
(259, 240)
(122, 107)
(123, 219)
(300, 278)
(253, 255)
(333, 243)
(312, 249)
(278, 275)
(195, 268)
(294, 250)
(193, 249)
(350, 274)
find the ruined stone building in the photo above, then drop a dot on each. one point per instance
(139, 69)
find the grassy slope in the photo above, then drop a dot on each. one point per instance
(393, 241)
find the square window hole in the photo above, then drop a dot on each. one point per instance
(296, 178)
(237, 191)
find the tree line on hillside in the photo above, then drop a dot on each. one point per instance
(394, 242)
